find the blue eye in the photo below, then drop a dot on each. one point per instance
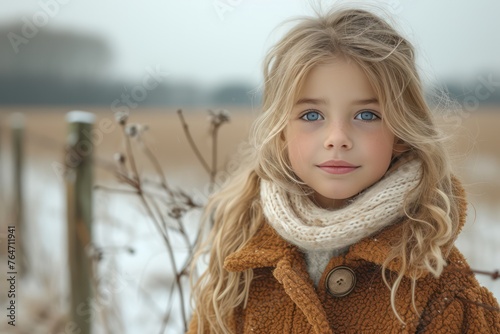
(312, 116)
(367, 116)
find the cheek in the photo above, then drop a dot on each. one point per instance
(298, 150)
(294, 152)
(381, 146)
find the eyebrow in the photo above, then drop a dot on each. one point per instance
(307, 100)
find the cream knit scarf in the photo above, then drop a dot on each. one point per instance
(299, 221)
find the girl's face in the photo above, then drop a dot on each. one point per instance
(336, 140)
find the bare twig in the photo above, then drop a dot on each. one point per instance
(150, 205)
(192, 143)
(178, 202)
(113, 190)
(488, 307)
(214, 158)
(216, 121)
(158, 168)
(494, 274)
(174, 267)
(131, 158)
(166, 316)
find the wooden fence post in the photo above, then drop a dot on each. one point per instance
(17, 130)
(3, 207)
(79, 181)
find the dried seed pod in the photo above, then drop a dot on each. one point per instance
(121, 117)
(218, 118)
(176, 212)
(120, 157)
(132, 130)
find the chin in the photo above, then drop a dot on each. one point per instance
(339, 196)
(331, 201)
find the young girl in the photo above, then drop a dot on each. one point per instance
(343, 216)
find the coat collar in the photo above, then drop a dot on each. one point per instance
(266, 248)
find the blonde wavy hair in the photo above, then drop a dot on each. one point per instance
(388, 60)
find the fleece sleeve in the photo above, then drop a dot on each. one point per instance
(474, 310)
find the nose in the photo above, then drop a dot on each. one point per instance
(338, 136)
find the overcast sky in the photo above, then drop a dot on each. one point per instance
(191, 40)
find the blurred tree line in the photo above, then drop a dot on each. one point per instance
(54, 67)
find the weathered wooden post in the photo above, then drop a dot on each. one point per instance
(17, 130)
(1, 170)
(2, 187)
(79, 179)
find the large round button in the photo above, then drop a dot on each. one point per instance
(340, 281)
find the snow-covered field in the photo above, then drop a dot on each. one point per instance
(134, 272)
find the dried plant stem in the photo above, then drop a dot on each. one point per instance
(128, 191)
(124, 178)
(494, 274)
(158, 169)
(161, 226)
(177, 202)
(213, 172)
(113, 190)
(168, 310)
(191, 253)
(192, 143)
(182, 231)
(130, 155)
(488, 307)
(170, 254)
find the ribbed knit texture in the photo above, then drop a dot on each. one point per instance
(299, 221)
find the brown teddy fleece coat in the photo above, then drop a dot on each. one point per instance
(283, 299)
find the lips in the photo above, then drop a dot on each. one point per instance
(337, 167)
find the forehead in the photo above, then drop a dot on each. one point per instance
(338, 79)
